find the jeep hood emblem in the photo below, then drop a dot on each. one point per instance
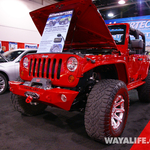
(44, 56)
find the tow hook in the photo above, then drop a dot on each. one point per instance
(31, 96)
(29, 99)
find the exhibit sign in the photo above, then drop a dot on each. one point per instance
(12, 45)
(31, 46)
(141, 23)
(55, 32)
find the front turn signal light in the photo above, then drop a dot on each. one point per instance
(71, 78)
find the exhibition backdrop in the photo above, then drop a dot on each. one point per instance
(14, 45)
(141, 23)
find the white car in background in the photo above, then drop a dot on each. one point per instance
(9, 66)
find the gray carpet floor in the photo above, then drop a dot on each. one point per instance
(57, 129)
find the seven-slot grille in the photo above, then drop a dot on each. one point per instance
(45, 68)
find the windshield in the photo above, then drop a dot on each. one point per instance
(12, 55)
(2, 58)
(118, 33)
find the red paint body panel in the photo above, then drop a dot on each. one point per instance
(51, 97)
(87, 30)
(28, 73)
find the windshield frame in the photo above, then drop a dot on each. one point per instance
(123, 32)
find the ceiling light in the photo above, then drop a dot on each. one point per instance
(110, 15)
(121, 2)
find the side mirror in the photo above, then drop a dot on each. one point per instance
(137, 44)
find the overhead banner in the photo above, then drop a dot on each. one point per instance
(55, 32)
(141, 23)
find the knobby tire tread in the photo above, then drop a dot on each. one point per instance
(98, 108)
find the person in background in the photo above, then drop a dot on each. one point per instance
(3, 49)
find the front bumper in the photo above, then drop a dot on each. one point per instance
(50, 97)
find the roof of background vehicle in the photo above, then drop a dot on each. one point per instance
(10, 51)
(18, 57)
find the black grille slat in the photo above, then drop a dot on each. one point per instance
(30, 67)
(48, 66)
(38, 70)
(53, 68)
(59, 69)
(43, 67)
(34, 66)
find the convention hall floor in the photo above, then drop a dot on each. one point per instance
(57, 129)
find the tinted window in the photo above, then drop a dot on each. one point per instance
(2, 59)
(118, 33)
(29, 52)
(12, 55)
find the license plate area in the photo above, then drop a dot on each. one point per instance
(34, 96)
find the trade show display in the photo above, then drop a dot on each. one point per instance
(92, 71)
(75, 74)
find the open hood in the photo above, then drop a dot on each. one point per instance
(87, 28)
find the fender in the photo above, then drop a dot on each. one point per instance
(120, 64)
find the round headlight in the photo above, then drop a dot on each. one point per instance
(25, 62)
(72, 64)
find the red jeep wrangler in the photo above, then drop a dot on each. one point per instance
(99, 64)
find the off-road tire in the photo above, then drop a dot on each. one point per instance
(144, 90)
(3, 83)
(26, 108)
(99, 109)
